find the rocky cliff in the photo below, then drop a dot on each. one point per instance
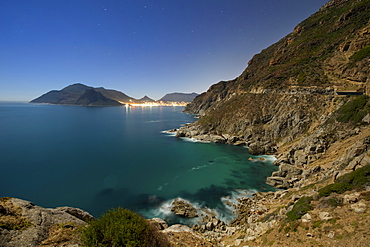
(304, 99)
(289, 100)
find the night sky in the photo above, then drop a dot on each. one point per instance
(140, 47)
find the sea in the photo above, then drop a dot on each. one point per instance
(99, 158)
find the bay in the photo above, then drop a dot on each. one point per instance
(97, 158)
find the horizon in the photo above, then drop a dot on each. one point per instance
(136, 47)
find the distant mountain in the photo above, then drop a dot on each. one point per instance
(178, 97)
(80, 94)
(116, 95)
(146, 99)
(91, 97)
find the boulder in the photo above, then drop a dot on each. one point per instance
(158, 223)
(351, 198)
(324, 216)
(306, 218)
(39, 219)
(78, 213)
(183, 208)
(178, 228)
(359, 207)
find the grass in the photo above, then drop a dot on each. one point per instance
(300, 208)
(122, 227)
(11, 216)
(355, 180)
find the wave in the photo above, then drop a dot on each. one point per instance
(168, 132)
(190, 139)
(225, 211)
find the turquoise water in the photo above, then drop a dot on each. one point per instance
(96, 158)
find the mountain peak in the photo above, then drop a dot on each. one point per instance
(178, 97)
(147, 99)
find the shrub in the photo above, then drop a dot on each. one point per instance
(350, 181)
(361, 54)
(353, 111)
(122, 227)
(300, 208)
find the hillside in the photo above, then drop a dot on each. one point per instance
(306, 100)
(80, 94)
(292, 87)
(178, 97)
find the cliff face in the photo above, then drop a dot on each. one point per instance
(328, 50)
(288, 100)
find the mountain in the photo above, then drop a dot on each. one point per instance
(116, 95)
(178, 97)
(146, 99)
(80, 94)
(304, 99)
(292, 87)
(91, 97)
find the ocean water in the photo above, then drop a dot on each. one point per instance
(97, 158)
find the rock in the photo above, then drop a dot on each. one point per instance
(324, 216)
(277, 182)
(178, 228)
(295, 197)
(183, 208)
(331, 235)
(351, 198)
(158, 223)
(78, 213)
(41, 219)
(210, 226)
(306, 218)
(359, 207)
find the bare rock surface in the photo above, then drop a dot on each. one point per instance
(183, 208)
(39, 221)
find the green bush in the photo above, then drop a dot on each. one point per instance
(122, 227)
(354, 110)
(361, 54)
(350, 181)
(300, 208)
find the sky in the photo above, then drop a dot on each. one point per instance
(139, 47)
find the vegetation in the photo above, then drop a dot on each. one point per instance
(11, 216)
(122, 227)
(350, 181)
(354, 110)
(300, 208)
(361, 54)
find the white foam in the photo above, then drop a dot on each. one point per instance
(193, 140)
(170, 133)
(198, 167)
(156, 121)
(225, 213)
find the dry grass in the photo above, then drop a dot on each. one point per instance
(63, 235)
(11, 216)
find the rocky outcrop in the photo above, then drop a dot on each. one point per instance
(183, 208)
(289, 89)
(36, 222)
